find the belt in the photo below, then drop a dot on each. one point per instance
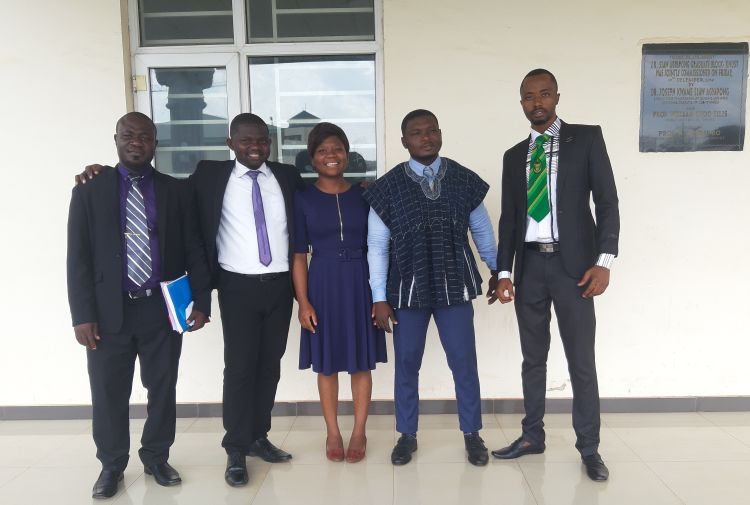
(544, 247)
(141, 293)
(271, 276)
(343, 254)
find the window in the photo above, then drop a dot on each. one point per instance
(295, 63)
(310, 20)
(293, 94)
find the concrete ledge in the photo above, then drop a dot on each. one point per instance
(489, 406)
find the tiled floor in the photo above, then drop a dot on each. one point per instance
(686, 458)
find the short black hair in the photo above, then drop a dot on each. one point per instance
(415, 114)
(137, 115)
(322, 131)
(539, 71)
(246, 118)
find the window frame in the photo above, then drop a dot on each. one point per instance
(244, 50)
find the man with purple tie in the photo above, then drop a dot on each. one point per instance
(246, 211)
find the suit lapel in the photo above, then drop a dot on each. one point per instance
(520, 162)
(110, 202)
(566, 142)
(285, 190)
(162, 198)
(225, 171)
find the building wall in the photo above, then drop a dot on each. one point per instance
(673, 320)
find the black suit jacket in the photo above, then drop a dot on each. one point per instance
(95, 248)
(584, 171)
(209, 181)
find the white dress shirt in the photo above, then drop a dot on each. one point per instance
(236, 240)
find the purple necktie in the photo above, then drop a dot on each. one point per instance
(264, 248)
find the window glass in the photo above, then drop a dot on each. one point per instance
(185, 22)
(189, 107)
(293, 94)
(310, 20)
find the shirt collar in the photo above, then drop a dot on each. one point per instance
(240, 170)
(418, 167)
(147, 174)
(552, 131)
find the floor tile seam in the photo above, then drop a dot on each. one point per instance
(528, 483)
(25, 469)
(179, 434)
(140, 476)
(725, 430)
(260, 484)
(624, 442)
(664, 483)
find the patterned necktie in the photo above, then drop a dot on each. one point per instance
(136, 234)
(537, 198)
(264, 247)
(429, 174)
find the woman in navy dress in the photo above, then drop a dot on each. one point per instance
(335, 302)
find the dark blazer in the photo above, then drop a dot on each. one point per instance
(95, 248)
(209, 181)
(584, 171)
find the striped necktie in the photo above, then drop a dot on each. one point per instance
(429, 174)
(537, 197)
(136, 234)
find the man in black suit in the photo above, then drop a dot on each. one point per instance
(250, 268)
(128, 230)
(562, 258)
(246, 212)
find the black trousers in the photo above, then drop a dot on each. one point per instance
(255, 314)
(544, 283)
(145, 334)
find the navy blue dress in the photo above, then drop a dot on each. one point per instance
(334, 227)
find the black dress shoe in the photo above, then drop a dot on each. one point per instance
(163, 473)
(106, 485)
(236, 474)
(476, 449)
(595, 467)
(403, 449)
(518, 448)
(268, 452)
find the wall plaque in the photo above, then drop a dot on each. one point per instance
(693, 97)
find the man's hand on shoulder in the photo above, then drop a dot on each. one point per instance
(597, 279)
(87, 334)
(197, 320)
(88, 174)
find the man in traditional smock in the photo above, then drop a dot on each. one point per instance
(421, 266)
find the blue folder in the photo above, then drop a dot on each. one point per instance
(179, 300)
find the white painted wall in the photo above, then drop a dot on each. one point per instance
(673, 321)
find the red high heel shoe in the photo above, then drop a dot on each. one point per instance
(335, 454)
(356, 455)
